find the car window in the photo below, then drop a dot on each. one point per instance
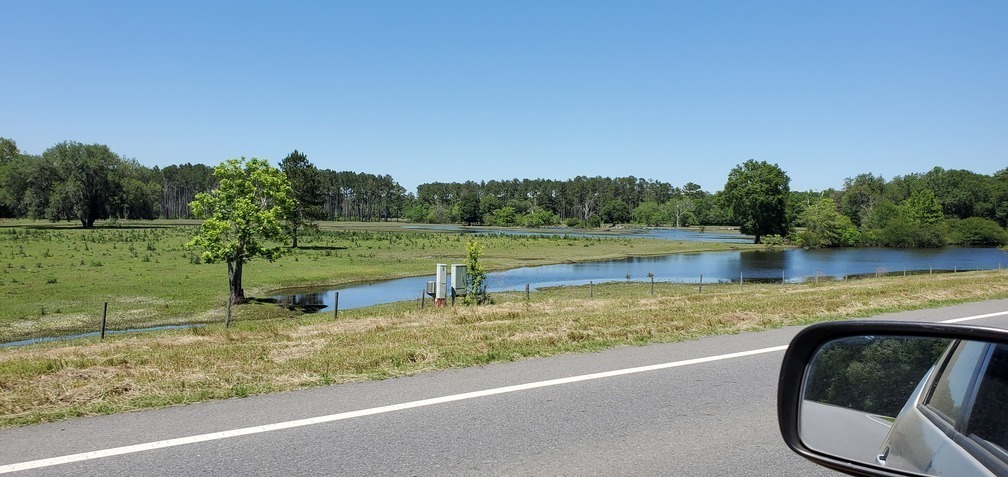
(987, 421)
(950, 389)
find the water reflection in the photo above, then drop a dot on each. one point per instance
(789, 265)
(308, 302)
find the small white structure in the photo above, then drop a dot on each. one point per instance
(441, 285)
(459, 279)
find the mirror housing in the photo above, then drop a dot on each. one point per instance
(803, 349)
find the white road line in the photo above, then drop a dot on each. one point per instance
(35, 464)
(976, 317)
(68, 459)
(879, 421)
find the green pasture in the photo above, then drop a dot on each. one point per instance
(55, 278)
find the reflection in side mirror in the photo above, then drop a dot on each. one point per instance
(935, 406)
(855, 387)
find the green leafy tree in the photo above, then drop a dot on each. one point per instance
(924, 207)
(8, 155)
(616, 212)
(860, 195)
(826, 227)
(539, 217)
(469, 209)
(247, 211)
(86, 184)
(505, 217)
(649, 213)
(476, 288)
(8, 150)
(306, 186)
(756, 194)
(977, 232)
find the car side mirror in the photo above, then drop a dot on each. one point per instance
(897, 398)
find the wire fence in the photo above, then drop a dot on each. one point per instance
(107, 320)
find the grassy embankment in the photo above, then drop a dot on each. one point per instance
(148, 278)
(54, 279)
(60, 380)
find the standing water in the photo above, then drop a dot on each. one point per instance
(793, 265)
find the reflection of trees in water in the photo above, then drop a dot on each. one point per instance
(871, 374)
(306, 302)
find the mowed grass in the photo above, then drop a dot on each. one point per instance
(59, 380)
(55, 278)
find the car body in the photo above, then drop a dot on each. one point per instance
(955, 421)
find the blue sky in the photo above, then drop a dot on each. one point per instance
(452, 91)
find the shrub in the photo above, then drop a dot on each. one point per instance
(976, 231)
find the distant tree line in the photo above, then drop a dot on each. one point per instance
(88, 182)
(578, 202)
(931, 209)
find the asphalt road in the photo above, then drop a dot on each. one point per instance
(843, 432)
(553, 416)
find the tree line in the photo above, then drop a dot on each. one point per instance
(88, 182)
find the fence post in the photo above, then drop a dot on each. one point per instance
(591, 289)
(740, 281)
(651, 275)
(335, 308)
(227, 315)
(526, 292)
(104, 317)
(423, 298)
(453, 296)
(701, 283)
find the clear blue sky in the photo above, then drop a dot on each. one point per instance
(452, 91)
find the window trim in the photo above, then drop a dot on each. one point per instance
(991, 456)
(954, 422)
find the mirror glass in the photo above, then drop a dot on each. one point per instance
(924, 405)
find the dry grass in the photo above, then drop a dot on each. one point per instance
(58, 380)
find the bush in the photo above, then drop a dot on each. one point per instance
(977, 232)
(539, 218)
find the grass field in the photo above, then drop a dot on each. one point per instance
(55, 278)
(58, 380)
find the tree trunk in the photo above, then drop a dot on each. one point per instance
(757, 239)
(294, 232)
(235, 280)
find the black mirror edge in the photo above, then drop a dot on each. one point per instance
(808, 341)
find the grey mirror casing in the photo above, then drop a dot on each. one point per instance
(805, 345)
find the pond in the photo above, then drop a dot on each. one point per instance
(793, 265)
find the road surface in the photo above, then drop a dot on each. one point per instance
(703, 407)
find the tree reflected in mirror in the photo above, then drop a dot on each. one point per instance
(931, 406)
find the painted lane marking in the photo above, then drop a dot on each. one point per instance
(877, 420)
(976, 317)
(68, 459)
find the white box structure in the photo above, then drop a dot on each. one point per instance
(459, 279)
